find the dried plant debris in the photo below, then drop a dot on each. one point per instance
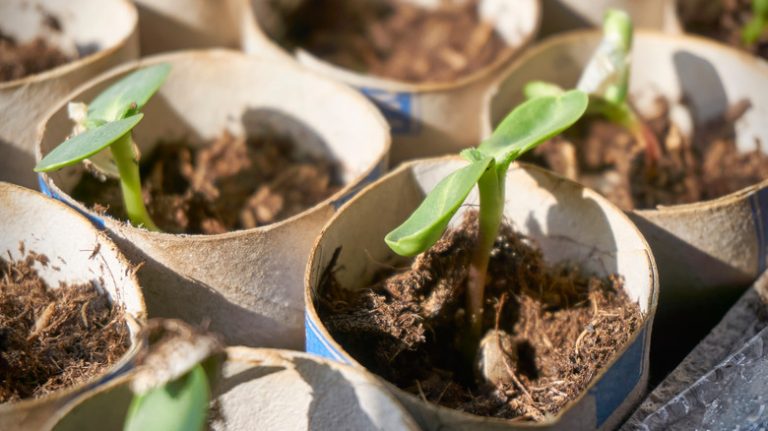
(53, 338)
(563, 326)
(21, 59)
(606, 157)
(233, 183)
(398, 39)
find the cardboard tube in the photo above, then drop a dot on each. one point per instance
(568, 222)
(247, 283)
(106, 26)
(426, 119)
(269, 389)
(53, 229)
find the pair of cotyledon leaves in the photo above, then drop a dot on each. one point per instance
(111, 115)
(528, 125)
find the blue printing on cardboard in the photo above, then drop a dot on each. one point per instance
(315, 342)
(617, 383)
(398, 108)
(373, 176)
(98, 222)
(758, 202)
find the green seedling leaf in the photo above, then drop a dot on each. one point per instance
(425, 225)
(86, 144)
(533, 122)
(607, 73)
(179, 405)
(541, 89)
(752, 31)
(128, 95)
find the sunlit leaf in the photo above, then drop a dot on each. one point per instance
(756, 26)
(86, 144)
(180, 405)
(425, 225)
(128, 95)
(533, 122)
(541, 89)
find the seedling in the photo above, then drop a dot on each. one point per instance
(606, 79)
(527, 126)
(178, 405)
(752, 31)
(109, 120)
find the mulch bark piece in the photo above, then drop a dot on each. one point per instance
(722, 20)
(396, 39)
(18, 60)
(53, 338)
(607, 158)
(408, 325)
(233, 183)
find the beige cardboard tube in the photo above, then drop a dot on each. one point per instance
(426, 119)
(173, 25)
(268, 389)
(721, 242)
(569, 223)
(51, 228)
(565, 15)
(246, 283)
(106, 25)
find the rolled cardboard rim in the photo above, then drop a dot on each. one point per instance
(222, 55)
(128, 12)
(294, 379)
(325, 344)
(115, 274)
(377, 407)
(362, 79)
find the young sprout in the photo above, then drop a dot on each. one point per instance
(527, 126)
(606, 79)
(108, 123)
(752, 31)
(179, 405)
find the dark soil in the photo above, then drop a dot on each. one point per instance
(722, 20)
(18, 60)
(397, 40)
(52, 339)
(406, 327)
(607, 158)
(233, 183)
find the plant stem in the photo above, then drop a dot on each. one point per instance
(130, 183)
(491, 186)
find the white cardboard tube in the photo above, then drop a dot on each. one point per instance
(569, 223)
(109, 25)
(269, 389)
(246, 283)
(51, 228)
(720, 242)
(426, 119)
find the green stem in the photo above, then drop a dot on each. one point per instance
(130, 183)
(491, 186)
